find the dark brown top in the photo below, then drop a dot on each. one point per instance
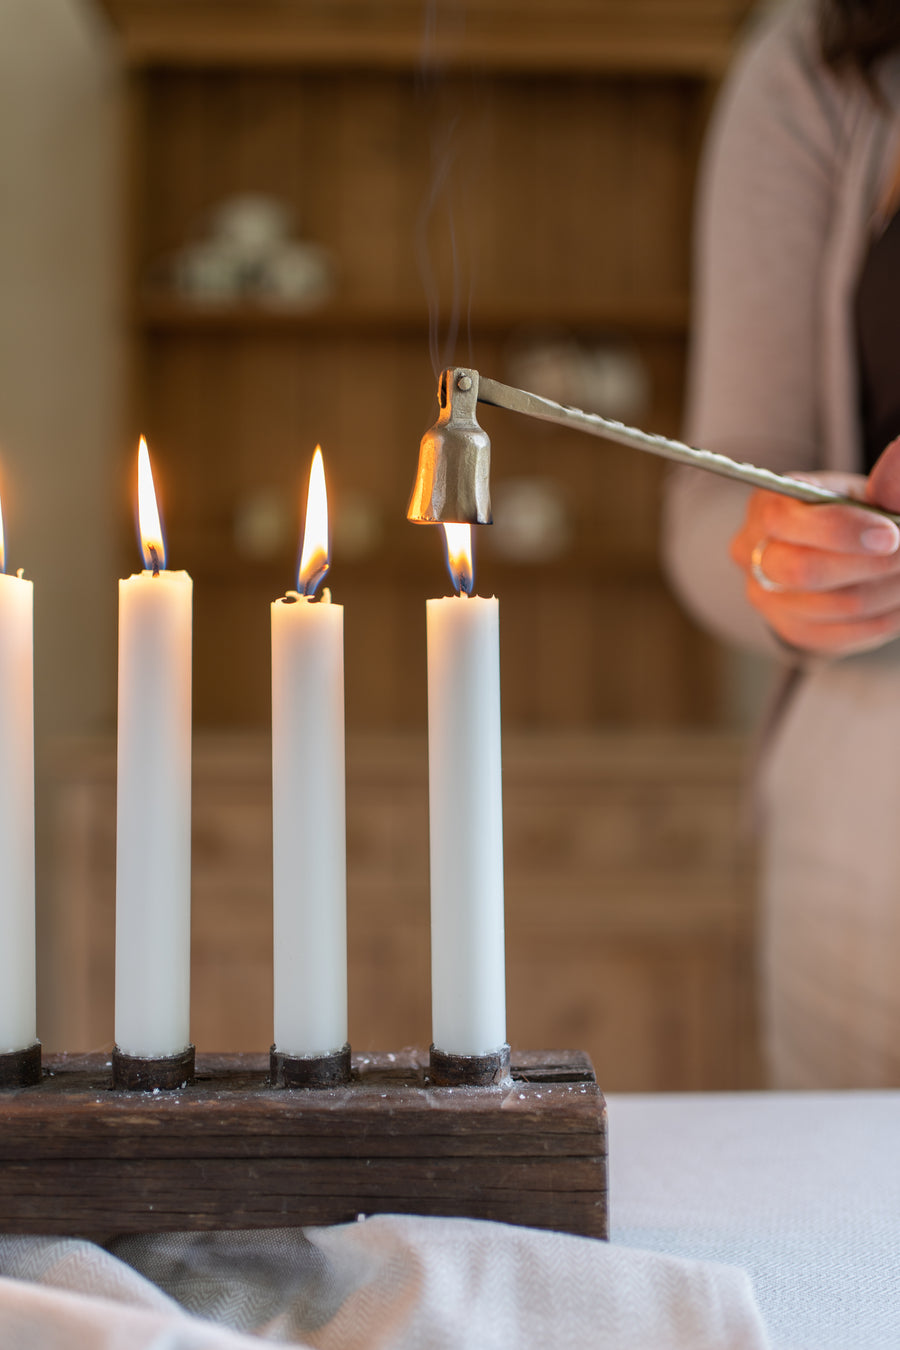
(878, 339)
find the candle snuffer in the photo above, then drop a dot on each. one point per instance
(453, 479)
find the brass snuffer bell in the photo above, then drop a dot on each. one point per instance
(453, 480)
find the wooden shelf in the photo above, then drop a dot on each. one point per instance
(639, 37)
(320, 104)
(172, 314)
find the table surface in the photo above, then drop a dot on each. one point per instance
(801, 1190)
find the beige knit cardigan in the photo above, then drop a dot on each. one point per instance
(796, 163)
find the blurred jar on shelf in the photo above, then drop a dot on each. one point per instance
(249, 254)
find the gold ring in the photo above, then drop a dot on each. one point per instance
(756, 569)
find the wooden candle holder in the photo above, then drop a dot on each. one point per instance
(229, 1151)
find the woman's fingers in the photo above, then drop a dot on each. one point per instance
(848, 604)
(838, 623)
(833, 529)
(798, 568)
(829, 639)
(826, 578)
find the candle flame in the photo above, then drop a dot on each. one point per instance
(2, 543)
(153, 549)
(459, 557)
(314, 560)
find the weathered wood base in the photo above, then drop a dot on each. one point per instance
(228, 1151)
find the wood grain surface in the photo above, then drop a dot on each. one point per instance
(231, 1152)
(691, 37)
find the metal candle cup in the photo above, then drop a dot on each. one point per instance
(309, 1071)
(445, 1070)
(138, 1073)
(21, 1068)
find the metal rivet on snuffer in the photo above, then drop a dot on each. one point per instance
(464, 383)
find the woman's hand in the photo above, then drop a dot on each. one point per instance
(826, 578)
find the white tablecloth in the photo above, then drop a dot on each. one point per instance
(801, 1190)
(739, 1222)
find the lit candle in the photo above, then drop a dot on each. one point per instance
(17, 957)
(468, 986)
(153, 824)
(308, 802)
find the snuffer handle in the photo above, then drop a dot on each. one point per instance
(532, 405)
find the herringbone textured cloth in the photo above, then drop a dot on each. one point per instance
(389, 1283)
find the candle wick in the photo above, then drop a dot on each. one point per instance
(308, 585)
(154, 559)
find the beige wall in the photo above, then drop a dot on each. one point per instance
(60, 357)
(58, 345)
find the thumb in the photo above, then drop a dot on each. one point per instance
(883, 483)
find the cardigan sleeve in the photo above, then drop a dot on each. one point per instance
(764, 207)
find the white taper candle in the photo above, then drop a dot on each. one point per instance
(468, 986)
(153, 823)
(308, 804)
(17, 944)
